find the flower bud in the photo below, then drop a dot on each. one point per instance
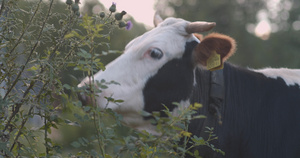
(119, 16)
(75, 7)
(69, 2)
(102, 14)
(77, 13)
(122, 24)
(112, 8)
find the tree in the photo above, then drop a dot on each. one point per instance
(238, 18)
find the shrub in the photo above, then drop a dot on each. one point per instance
(35, 109)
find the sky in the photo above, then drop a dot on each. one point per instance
(142, 10)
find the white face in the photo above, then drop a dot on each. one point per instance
(133, 68)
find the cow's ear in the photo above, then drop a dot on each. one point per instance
(211, 45)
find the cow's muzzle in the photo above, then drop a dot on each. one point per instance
(85, 98)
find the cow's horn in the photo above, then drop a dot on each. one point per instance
(195, 27)
(157, 19)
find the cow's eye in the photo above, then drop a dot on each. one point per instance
(156, 53)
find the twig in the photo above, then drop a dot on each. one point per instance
(46, 135)
(2, 7)
(18, 105)
(22, 125)
(32, 50)
(27, 27)
(98, 135)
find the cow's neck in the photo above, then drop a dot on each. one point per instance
(201, 94)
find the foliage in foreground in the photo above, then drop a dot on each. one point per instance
(37, 114)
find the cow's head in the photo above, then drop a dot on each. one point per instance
(158, 68)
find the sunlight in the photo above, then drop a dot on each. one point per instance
(142, 11)
(296, 25)
(263, 30)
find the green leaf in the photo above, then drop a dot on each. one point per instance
(34, 68)
(75, 144)
(196, 153)
(3, 147)
(145, 114)
(68, 122)
(119, 101)
(73, 34)
(107, 156)
(199, 117)
(84, 54)
(53, 117)
(83, 141)
(67, 86)
(103, 87)
(86, 108)
(42, 154)
(94, 153)
(181, 149)
(71, 64)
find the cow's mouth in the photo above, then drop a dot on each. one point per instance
(85, 100)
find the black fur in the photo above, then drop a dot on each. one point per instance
(260, 115)
(172, 83)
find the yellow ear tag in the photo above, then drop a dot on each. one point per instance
(214, 62)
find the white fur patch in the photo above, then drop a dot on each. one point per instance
(290, 76)
(133, 68)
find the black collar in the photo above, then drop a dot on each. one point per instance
(215, 102)
(216, 98)
(216, 94)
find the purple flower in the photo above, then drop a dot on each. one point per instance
(112, 8)
(129, 25)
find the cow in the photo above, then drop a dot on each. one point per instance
(255, 113)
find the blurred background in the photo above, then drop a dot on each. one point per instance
(267, 31)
